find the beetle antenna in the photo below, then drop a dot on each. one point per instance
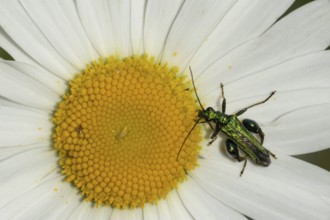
(192, 79)
(199, 101)
(187, 137)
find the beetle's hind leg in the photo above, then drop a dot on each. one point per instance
(242, 171)
(253, 127)
(232, 150)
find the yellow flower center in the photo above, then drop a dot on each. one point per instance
(119, 129)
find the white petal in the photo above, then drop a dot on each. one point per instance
(123, 214)
(309, 71)
(52, 197)
(43, 201)
(176, 207)
(302, 131)
(297, 34)
(14, 50)
(282, 103)
(150, 212)
(27, 36)
(29, 166)
(285, 168)
(197, 19)
(83, 211)
(276, 195)
(46, 78)
(63, 205)
(87, 210)
(158, 20)
(58, 205)
(202, 205)
(7, 152)
(121, 26)
(59, 22)
(164, 212)
(21, 88)
(103, 212)
(23, 126)
(245, 21)
(9, 103)
(137, 22)
(301, 175)
(95, 17)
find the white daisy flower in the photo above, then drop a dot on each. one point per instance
(98, 101)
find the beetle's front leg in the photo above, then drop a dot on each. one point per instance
(215, 134)
(211, 141)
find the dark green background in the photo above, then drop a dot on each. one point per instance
(321, 158)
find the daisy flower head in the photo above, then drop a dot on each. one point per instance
(97, 109)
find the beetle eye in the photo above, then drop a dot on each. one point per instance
(251, 125)
(232, 148)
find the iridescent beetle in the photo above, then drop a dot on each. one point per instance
(239, 133)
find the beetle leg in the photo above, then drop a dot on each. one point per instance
(215, 134)
(224, 99)
(240, 159)
(211, 141)
(258, 103)
(216, 131)
(242, 171)
(232, 150)
(253, 127)
(209, 122)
